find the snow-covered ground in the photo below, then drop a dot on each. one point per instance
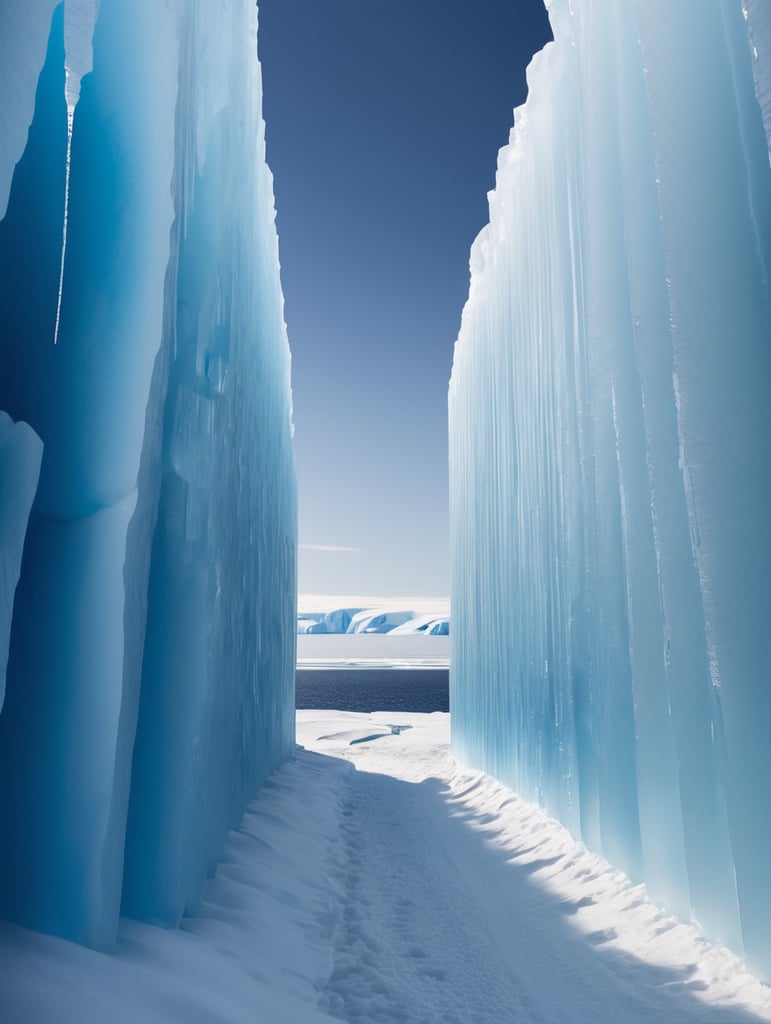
(375, 881)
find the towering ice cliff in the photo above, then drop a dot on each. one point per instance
(151, 667)
(610, 451)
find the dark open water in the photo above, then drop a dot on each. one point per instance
(374, 689)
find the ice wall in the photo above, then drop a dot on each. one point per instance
(24, 29)
(152, 640)
(20, 455)
(611, 460)
(217, 704)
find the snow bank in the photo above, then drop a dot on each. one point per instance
(256, 952)
(376, 880)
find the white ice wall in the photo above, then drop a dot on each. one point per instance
(611, 457)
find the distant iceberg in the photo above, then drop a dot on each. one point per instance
(610, 451)
(151, 642)
(379, 620)
(384, 617)
(428, 625)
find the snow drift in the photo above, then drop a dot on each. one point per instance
(150, 678)
(610, 456)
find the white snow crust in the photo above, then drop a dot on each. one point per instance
(375, 880)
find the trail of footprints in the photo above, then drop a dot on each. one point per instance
(373, 979)
(388, 974)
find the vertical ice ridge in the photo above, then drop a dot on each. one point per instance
(65, 221)
(24, 30)
(20, 454)
(225, 717)
(79, 23)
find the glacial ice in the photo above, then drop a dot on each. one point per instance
(758, 16)
(24, 28)
(79, 23)
(378, 620)
(610, 459)
(150, 677)
(20, 454)
(429, 625)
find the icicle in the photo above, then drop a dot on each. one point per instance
(79, 21)
(70, 122)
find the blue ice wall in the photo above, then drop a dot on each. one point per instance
(152, 637)
(610, 454)
(20, 454)
(219, 661)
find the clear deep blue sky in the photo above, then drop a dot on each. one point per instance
(384, 118)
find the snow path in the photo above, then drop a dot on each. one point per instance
(373, 881)
(461, 904)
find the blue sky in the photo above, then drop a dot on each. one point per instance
(383, 123)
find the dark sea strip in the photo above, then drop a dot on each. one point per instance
(395, 689)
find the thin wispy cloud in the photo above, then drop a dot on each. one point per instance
(326, 547)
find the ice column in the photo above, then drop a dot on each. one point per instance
(79, 21)
(610, 460)
(217, 706)
(24, 29)
(20, 454)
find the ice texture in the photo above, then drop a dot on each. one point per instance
(610, 459)
(378, 620)
(217, 705)
(79, 23)
(758, 16)
(24, 29)
(151, 667)
(20, 453)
